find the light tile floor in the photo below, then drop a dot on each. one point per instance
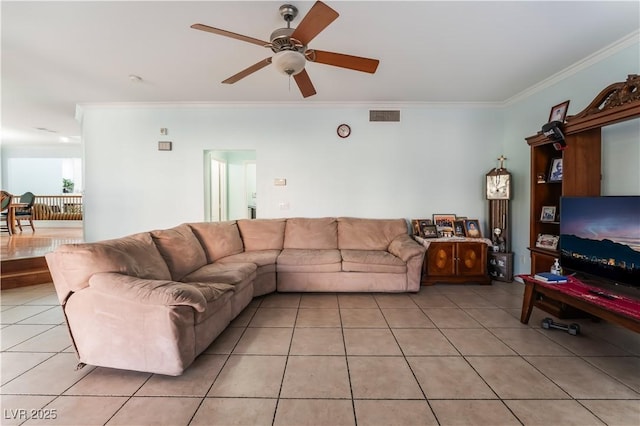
(449, 355)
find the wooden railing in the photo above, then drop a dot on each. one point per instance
(58, 207)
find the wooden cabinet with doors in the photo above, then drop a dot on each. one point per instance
(456, 262)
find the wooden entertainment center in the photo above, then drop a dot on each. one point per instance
(581, 164)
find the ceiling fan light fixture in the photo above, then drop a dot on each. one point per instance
(289, 62)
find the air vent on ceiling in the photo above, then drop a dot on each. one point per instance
(384, 115)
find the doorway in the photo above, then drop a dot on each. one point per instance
(230, 185)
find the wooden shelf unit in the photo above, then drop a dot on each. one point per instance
(582, 164)
(581, 160)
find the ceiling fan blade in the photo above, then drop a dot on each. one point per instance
(304, 84)
(318, 18)
(226, 33)
(247, 71)
(344, 61)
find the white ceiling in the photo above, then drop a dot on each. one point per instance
(58, 54)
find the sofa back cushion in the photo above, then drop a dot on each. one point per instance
(180, 249)
(304, 233)
(219, 239)
(134, 255)
(368, 234)
(262, 234)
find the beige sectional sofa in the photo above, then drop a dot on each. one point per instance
(154, 301)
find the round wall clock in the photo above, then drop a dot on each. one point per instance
(344, 130)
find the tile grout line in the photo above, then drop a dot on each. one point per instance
(346, 360)
(286, 363)
(404, 356)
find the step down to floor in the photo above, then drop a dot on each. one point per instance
(24, 272)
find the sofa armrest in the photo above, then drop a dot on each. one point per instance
(148, 292)
(405, 247)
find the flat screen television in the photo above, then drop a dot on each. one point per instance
(600, 237)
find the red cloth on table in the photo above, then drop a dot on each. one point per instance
(579, 290)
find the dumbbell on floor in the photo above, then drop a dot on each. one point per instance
(573, 328)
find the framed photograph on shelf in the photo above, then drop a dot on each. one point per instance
(559, 112)
(458, 228)
(418, 224)
(430, 231)
(425, 228)
(472, 228)
(415, 226)
(444, 222)
(555, 171)
(548, 214)
(547, 241)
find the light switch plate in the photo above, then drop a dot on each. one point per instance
(279, 182)
(165, 146)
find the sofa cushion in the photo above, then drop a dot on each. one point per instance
(262, 234)
(405, 247)
(258, 257)
(316, 233)
(372, 261)
(218, 239)
(134, 255)
(158, 292)
(368, 234)
(227, 273)
(180, 249)
(309, 260)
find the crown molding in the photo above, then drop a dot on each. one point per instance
(82, 107)
(594, 58)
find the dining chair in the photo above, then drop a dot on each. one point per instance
(5, 200)
(26, 213)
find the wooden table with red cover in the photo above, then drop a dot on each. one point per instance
(597, 301)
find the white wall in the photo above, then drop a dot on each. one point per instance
(621, 158)
(38, 169)
(433, 161)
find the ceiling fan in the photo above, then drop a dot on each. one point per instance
(289, 46)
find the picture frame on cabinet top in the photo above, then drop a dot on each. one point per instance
(559, 112)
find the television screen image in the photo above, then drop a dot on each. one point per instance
(600, 236)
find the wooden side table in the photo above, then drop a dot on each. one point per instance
(604, 304)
